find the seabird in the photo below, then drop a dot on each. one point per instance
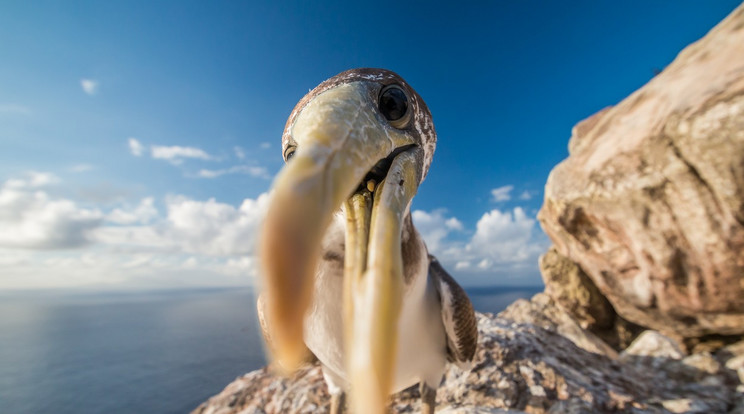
(346, 276)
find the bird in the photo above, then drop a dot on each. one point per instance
(346, 277)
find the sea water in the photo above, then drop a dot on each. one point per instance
(155, 352)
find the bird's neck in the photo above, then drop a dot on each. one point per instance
(412, 248)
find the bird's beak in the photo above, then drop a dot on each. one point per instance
(340, 138)
(373, 280)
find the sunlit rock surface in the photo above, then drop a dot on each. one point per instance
(533, 357)
(650, 202)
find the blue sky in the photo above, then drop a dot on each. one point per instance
(138, 139)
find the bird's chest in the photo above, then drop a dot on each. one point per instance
(324, 334)
(421, 338)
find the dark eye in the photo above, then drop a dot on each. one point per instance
(394, 105)
(289, 153)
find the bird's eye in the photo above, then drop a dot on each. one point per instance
(394, 106)
(289, 153)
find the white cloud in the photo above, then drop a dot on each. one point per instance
(192, 243)
(259, 172)
(497, 225)
(104, 267)
(197, 242)
(81, 168)
(213, 228)
(9, 108)
(526, 195)
(135, 147)
(265, 145)
(90, 86)
(135, 238)
(502, 193)
(239, 152)
(205, 228)
(175, 154)
(434, 227)
(505, 237)
(31, 219)
(504, 243)
(33, 179)
(462, 265)
(143, 213)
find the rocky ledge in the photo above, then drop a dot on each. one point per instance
(534, 357)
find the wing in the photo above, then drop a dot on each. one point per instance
(458, 316)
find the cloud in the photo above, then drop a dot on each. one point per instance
(9, 108)
(213, 228)
(143, 213)
(502, 193)
(104, 267)
(526, 195)
(190, 243)
(175, 154)
(435, 227)
(504, 243)
(135, 147)
(33, 179)
(81, 168)
(135, 239)
(90, 86)
(31, 219)
(259, 172)
(204, 228)
(505, 237)
(265, 145)
(239, 152)
(207, 242)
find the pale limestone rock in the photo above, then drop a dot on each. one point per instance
(654, 344)
(650, 202)
(543, 312)
(703, 362)
(737, 364)
(683, 405)
(568, 285)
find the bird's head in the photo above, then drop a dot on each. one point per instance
(361, 142)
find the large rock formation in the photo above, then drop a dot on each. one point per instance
(650, 202)
(535, 358)
(570, 286)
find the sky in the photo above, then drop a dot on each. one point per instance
(138, 140)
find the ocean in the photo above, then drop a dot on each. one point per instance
(154, 352)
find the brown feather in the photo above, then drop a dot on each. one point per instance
(459, 315)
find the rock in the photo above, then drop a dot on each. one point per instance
(737, 364)
(653, 344)
(734, 349)
(575, 292)
(703, 362)
(650, 202)
(568, 285)
(522, 363)
(544, 312)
